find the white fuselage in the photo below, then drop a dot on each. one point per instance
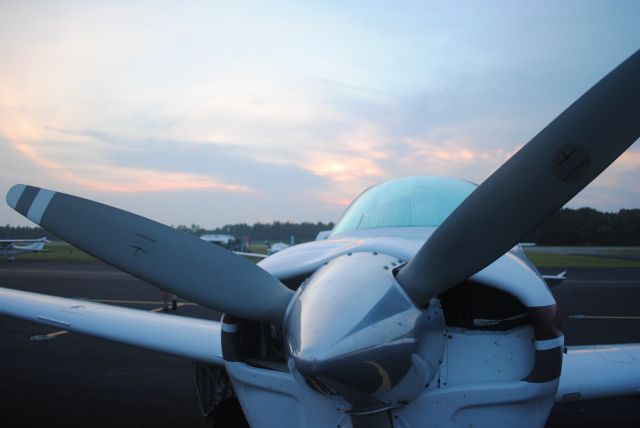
(482, 375)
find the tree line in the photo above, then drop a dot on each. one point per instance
(272, 232)
(25, 232)
(584, 226)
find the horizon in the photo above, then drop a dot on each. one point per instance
(243, 113)
(189, 226)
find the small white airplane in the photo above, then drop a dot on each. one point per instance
(218, 239)
(278, 246)
(9, 248)
(419, 309)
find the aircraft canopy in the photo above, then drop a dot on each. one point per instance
(405, 202)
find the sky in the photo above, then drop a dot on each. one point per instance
(213, 113)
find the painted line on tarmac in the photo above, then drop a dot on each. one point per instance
(603, 281)
(604, 317)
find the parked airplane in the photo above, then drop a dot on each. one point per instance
(418, 310)
(225, 241)
(9, 248)
(278, 246)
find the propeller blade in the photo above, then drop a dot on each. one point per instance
(532, 185)
(172, 260)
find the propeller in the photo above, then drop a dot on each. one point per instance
(172, 260)
(532, 185)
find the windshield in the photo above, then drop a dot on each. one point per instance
(405, 202)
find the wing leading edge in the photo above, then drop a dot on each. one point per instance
(191, 338)
(599, 371)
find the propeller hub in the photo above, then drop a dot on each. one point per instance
(353, 332)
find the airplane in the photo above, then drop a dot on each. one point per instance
(278, 246)
(227, 241)
(419, 309)
(9, 248)
(224, 240)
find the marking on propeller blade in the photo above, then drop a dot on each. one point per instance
(570, 162)
(138, 250)
(145, 237)
(40, 204)
(142, 244)
(26, 199)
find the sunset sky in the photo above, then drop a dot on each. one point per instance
(226, 112)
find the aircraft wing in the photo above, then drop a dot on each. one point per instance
(256, 255)
(22, 241)
(554, 280)
(191, 338)
(599, 371)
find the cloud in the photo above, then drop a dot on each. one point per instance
(627, 165)
(617, 187)
(359, 152)
(343, 203)
(296, 107)
(342, 168)
(127, 180)
(449, 151)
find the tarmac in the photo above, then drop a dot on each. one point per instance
(621, 253)
(52, 378)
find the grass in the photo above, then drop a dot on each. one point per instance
(61, 251)
(624, 252)
(258, 248)
(571, 260)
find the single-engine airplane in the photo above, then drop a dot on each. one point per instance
(418, 310)
(9, 248)
(278, 246)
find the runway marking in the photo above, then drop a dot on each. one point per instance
(57, 333)
(603, 281)
(159, 309)
(604, 317)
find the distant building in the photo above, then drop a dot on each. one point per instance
(226, 241)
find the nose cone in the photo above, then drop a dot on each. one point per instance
(367, 371)
(352, 330)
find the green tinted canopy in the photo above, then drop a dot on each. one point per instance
(405, 202)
